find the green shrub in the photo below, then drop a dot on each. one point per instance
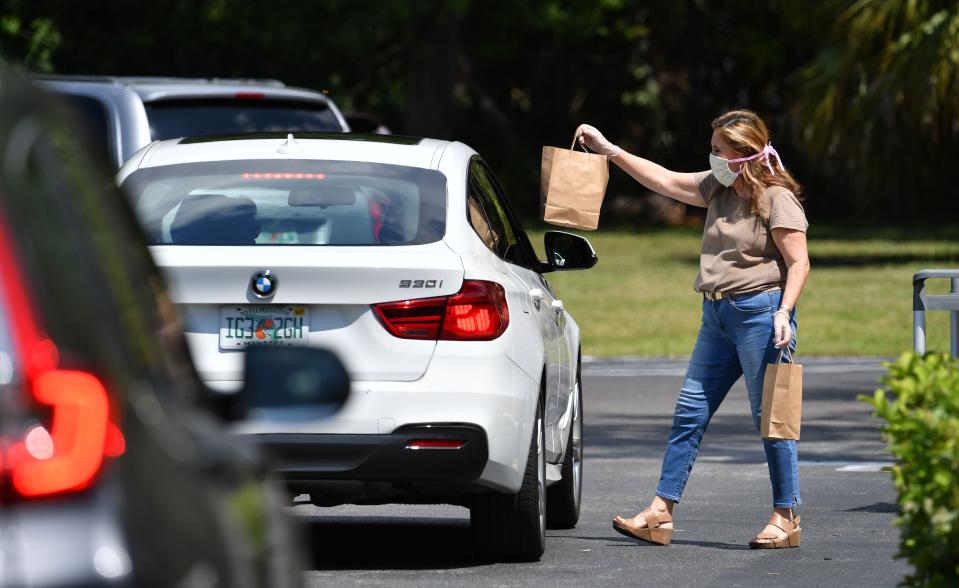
(921, 410)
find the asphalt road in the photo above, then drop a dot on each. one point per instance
(848, 503)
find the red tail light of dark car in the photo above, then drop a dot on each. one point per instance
(67, 430)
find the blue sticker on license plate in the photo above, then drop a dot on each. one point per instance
(243, 326)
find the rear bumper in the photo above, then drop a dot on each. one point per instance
(307, 456)
(496, 398)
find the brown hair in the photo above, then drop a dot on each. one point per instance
(747, 134)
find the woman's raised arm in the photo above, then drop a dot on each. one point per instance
(676, 185)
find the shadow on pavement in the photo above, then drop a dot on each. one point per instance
(713, 545)
(616, 541)
(608, 538)
(384, 543)
(879, 507)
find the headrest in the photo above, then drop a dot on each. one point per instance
(214, 219)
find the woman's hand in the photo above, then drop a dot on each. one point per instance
(591, 137)
(782, 330)
(678, 186)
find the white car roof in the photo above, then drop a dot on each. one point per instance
(393, 149)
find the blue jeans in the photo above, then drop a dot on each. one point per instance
(735, 339)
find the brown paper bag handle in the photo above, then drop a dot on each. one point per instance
(572, 146)
(782, 352)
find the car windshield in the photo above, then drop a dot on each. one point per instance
(170, 119)
(282, 202)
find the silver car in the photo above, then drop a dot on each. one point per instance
(127, 113)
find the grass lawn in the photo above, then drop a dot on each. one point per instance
(639, 300)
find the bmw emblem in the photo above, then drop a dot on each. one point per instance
(263, 284)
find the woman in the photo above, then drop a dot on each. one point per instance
(753, 265)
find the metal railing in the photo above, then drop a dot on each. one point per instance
(921, 302)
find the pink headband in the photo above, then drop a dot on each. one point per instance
(765, 153)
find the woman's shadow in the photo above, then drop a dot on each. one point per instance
(617, 541)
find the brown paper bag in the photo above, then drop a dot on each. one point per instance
(572, 187)
(782, 400)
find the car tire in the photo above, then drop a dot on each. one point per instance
(512, 527)
(563, 498)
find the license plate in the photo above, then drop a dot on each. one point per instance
(243, 326)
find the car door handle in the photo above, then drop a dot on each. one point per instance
(536, 295)
(558, 306)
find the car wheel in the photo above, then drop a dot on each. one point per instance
(564, 497)
(512, 527)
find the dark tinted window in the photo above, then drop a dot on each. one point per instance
(480, 222)
(512, 244)
(170, 119)
(497, 233)
(280, 202)
(96, 123)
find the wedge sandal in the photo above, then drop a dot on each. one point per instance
(653, 532)
(772, 540)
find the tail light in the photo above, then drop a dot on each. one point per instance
(72, 452)
(436, 444)
(478, 312)
(413, 319)
(67, 452)
(281, 176)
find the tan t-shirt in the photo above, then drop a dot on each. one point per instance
(739, 254)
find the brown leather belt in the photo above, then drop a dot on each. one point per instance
(719, 295)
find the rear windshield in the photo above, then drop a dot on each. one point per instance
(170, 119)
(269, 202)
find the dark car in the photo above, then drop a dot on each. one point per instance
(114, 466)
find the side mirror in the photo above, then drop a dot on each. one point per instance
(294, 383)
(362, 122)
(566, 251)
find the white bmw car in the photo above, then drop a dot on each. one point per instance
(403, 256)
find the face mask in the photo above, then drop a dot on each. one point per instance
(726, 176)
(721, 171)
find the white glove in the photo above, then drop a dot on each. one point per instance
(782, 329)
(591, 137)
